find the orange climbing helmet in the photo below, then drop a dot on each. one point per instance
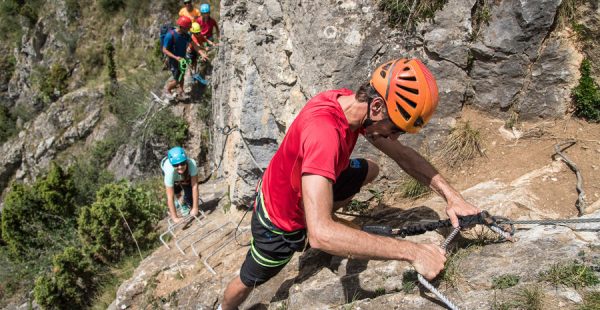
(409, 90)
(184, 22)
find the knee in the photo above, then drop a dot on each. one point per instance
(372, 172)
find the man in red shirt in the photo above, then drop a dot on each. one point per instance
(207, 23)
(311, 175)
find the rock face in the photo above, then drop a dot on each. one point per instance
(316, 280)
(503, 57)
(65, 122)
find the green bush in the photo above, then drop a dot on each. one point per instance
(106, 149)
(52, 81)
(587, 95)
(88, 177)
(19, 230)
(111, 6)
(57, 191)
(170, 129)
(104, 226)
(401, 12)
(70, 284)
(39, 219)
(7, 65)
(7, 124)
(73, 9)
(570, 274)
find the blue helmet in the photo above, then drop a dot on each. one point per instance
(205, 8)
(176, 155)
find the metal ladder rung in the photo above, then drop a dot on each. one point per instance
(207, 234)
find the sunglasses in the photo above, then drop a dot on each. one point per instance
(180, 165)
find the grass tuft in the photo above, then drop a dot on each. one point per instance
(411, 188)
(462, 145)
(406, 13)
(591, 301)
(571, 274)
(505, 281)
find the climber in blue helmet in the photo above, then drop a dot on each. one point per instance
(207, 23)
(180, 175)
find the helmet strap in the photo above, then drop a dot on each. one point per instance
(368, 122)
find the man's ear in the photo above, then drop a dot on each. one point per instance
(377, 106)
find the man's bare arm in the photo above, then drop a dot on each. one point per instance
(418, 167)
(338, 239)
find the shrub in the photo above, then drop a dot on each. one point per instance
(7, 124)
(87, 178)
(463, 144)
(505, 281)
(412, 188)
(52, 82)
(587, 95)
(19, 231)
(39, 219)
(106, 149)
(70, 283)
(170, 129)
(403, 13)
(570, 274)
(56, 190)
(104, 227)
(73, 9)
(111, 6)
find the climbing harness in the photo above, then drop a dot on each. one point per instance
(183, 65)
(558, 148)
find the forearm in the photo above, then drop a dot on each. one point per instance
(171, 205)
(169, 54)
(195, 196)
(341, 240)
(419, 168)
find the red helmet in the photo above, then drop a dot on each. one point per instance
(409, 90)
(184, 22)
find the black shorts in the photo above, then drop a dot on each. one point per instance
(174, 67)
(271, 249)
(187, 192)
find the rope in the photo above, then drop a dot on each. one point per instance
(227, 131)
(549, 222)
(430, 287)
(580, 204)
(183, 65)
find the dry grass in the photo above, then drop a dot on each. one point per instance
(463, 144)
(411, 188)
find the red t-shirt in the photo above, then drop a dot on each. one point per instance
(319, 141)
(206, 25)
(198, 39)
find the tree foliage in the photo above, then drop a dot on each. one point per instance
(39, 219)
(69, 283)
(587, 95)
(104, 227)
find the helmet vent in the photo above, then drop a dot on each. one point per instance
(383, 74)
(419, 122)
(408, 78)
(410, 102)
(408, 89)
(386, 67)
(406, 69)
(405, 114)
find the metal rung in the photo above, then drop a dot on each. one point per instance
(180, 239)
(171, 227)
(225, 243)
(207, 234)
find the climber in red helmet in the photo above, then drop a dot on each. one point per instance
(311, 175)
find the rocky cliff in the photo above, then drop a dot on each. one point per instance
(512, 59)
